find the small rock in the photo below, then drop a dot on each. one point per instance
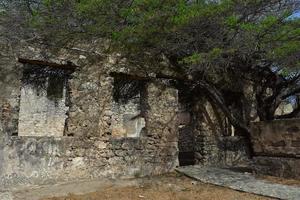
(194, 182)
(82, 57)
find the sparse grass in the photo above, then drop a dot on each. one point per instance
(168, 187)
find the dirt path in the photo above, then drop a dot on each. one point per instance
(168, 187)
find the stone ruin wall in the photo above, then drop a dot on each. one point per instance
(276, 146)
(102, 137)
(202, 133)
(94, 143)
(213, 146)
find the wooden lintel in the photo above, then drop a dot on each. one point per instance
(68, 66)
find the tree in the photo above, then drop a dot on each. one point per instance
(214, 46)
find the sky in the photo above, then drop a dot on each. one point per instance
(296, 14)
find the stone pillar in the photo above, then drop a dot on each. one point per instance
(106, 104)
(87, 89)
(161, 124)
(207, 130)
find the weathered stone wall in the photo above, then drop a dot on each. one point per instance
(277, 166)
(203, 138)
(89, 149)
(212, 146)
(276, 138)
(44, 160)
(276, 145)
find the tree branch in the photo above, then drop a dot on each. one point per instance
(217, 98)
(290, 93)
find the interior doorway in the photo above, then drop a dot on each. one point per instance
(186, 140)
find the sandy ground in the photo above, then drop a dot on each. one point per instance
(169, 187)
(272, 179)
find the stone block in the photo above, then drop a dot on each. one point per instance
(277, 166)
(276, 138)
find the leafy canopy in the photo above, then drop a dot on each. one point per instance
(200, 32)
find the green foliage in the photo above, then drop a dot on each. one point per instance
(195, 58)
(207, 34)
(287, 49)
